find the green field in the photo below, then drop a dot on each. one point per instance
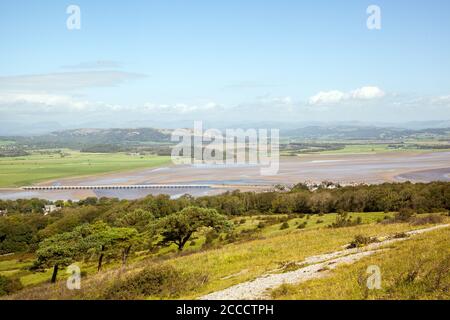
(367, 147)
(22, 171)
(376, 148)
(5, 142)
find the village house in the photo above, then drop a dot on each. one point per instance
(50, 208)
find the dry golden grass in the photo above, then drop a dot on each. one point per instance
(228, 265)
(415, 269)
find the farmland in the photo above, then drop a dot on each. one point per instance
(50, 164)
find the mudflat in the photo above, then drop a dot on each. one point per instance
(340, 168)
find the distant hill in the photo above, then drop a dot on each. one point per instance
(361, 133)
(127, 139)
(80, 138)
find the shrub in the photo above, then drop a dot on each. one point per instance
(302, 225)
(231, 237)
(283, 219)
(155, 281)
(210, 237)
(319, 221)
(9, 286)
(400, 235)
(283, 290)
(403, 215)
(284, 225)
(428, 219)
(261, 225)
(343, 220)
(361, 241)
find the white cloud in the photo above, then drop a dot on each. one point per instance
(181, 108)
(98, 64)
(42, 102)
(45, 103)
(336, 96)
(442, 100)
(65, 81)
(44, 99)
(327, 97)
(367, 93)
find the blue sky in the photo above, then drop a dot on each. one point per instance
(171, 61)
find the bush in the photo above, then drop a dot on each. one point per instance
(343, 220)
(302, 225)
(319, 221)
(155, 281)
(400, 235)
(285, 225)
(9, 286)
(361, 241)
(428, 219)
(231, 237)
(210, 237)
(403, 215)
(261, 225)
(283, 219)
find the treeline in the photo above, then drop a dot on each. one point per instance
(294, 148)
(160, 150)
(420, 197)
(23, 225)
(12, 151)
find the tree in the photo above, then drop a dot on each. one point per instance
(178, 227)
(108, 241)
(59, 250)
(64, 248)
(9, 285)
(138, 219)
(18, 232)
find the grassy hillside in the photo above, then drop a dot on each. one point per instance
(205, 269)
(415, 269)
(21, 171)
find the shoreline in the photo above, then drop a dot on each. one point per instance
(342, 169)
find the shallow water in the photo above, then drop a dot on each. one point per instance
(362, 168)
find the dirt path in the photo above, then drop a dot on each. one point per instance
(311, 268)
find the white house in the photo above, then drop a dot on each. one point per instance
(50, 208)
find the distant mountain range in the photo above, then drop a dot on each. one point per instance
(11, 128)
(362, 133)
(81, 138)
(85, 138)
